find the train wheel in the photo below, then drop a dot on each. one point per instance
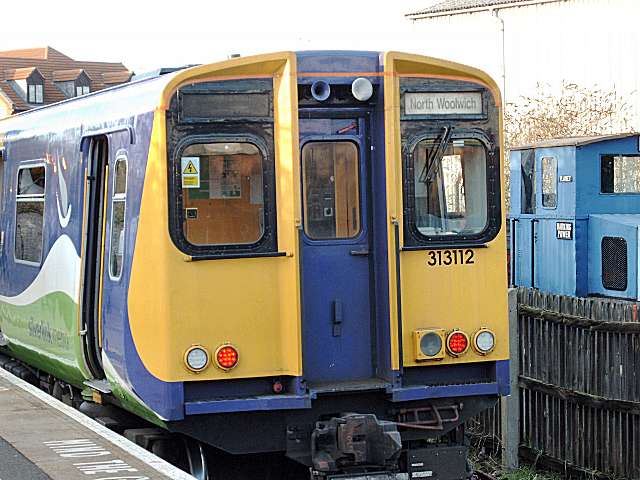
(197, 460)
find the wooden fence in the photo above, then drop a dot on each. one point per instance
(576, 372)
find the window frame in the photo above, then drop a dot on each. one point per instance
(34, 100)
(266, 245)
(120, 198)
(613, 157)
(416, 240)
(542, 192)
(43, 196)
(82, 88)
(354, 140)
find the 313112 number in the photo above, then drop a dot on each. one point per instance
(450, 257)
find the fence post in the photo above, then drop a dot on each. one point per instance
(510, 406)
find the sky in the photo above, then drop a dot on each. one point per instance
(147, 35)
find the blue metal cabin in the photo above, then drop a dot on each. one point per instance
(575, 216)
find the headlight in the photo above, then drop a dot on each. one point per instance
(484, 341)
(196, 358)
(431, 344)
(362, 89)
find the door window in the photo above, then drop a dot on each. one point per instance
(331, 190)
(118, 210)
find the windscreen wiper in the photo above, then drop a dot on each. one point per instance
(435, 155)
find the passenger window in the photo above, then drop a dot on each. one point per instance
(223, 193)
(549, 182)
(1, 181)
(118, 211)
(450, 190)
(30, 198)
(620, 174)
(331, 190)
(528, 183)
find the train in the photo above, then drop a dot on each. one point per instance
(295, 254)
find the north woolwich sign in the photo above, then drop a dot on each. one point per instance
(443, 103)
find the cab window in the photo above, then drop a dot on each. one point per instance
(449, 197)
(223, 194)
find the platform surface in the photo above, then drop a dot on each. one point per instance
(42, 438)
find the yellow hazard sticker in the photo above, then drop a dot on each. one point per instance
(190, 168)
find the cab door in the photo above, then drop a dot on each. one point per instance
(336, 251)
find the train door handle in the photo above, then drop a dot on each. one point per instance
(337, 318)
(359, 253)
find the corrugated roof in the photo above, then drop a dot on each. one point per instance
(574, 141)
(48, 60)
(457, 5)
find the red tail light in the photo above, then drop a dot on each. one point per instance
(226, 357)
(457, 343)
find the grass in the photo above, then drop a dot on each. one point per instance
(526, 473)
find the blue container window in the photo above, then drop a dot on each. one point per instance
(620, 174)
(528, 184)
(549, 182)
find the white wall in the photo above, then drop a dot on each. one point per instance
(588, 42)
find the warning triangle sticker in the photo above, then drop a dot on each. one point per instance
(190, 169)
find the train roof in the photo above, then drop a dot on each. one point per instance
(119, 104)
(574, 141)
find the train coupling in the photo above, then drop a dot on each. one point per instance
(356, 443)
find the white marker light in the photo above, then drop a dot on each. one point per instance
(431, 344)
(484, 341)
(197, 358)
(362, 89)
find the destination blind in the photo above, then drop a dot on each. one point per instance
(443, 103)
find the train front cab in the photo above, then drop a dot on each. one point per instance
(331, 283)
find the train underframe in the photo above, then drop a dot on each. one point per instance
(344, 435)
(335, 439)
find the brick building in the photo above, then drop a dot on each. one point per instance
(34, 77)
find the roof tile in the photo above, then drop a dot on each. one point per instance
(54, 66)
